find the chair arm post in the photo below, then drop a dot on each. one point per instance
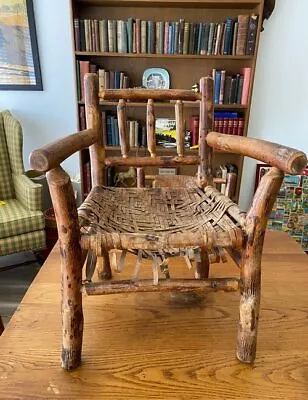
(52, 155)
(255, 226)
(289, 160)
(71, 265)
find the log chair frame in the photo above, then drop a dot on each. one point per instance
(49, 158)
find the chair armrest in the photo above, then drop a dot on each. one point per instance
(284, 158)
(52, 155)
(28, 193)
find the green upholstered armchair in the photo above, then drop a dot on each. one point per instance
(21, 217)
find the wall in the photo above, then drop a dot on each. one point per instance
(50, 114)
(279, 103)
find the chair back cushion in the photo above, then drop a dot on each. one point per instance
(14, 140)
(6, 181)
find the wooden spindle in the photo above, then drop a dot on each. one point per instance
(93, 117)
(180, 128)
(140, 178)
(151, 128)
(121, 109)
(205, 176)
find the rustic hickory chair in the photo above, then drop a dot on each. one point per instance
(154, 219)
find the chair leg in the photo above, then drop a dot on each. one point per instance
(250, 301)
(103, 267)
(71, 266)
(1, 326)
(203, 266)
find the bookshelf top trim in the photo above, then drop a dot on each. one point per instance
(149, 55)
(173, 3)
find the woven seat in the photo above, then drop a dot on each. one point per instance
(160, 212)
(177, 215)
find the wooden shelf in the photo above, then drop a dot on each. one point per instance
(173, 3)
(187, 104)
(171, 56)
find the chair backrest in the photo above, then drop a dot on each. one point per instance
(149, 96)
(6, 182)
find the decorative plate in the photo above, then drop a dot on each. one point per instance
(156, 78)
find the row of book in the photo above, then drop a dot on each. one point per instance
(231, 123)
(107, 79)
(234, 36)
(231, 89)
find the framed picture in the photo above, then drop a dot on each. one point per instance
(261, 170)
(19, 58)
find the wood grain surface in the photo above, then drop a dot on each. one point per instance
(164, 346)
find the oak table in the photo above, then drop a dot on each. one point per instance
(164, 346)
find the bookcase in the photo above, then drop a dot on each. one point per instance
(185, 70)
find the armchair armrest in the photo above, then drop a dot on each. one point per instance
(28, 193)
(52, 155)
(284, 158)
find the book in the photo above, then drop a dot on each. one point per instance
(239, 90)
(234, 39)
(222, 87)
(241, 43)
(143, 36)
(165, 132)
(211, 37)
(252, 35)
(96, 35)
(103, 32)
(227, 49)
(218, 39)
(217, 86)
(111, 38)
(150, 37)
(84, 67)
(181, 36)
(77, 34)
(138, 35)
(227, 90)
(246, 72)
(166, 37)
(82, 118)
(194, 129)
(129, 27)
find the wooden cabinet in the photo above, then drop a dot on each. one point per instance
(185, 69)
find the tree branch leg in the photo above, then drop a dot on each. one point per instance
(71, 266)
(103, 266)
(203, 266)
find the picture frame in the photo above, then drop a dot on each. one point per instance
(156, 78)
(261, 170)
(19, 56)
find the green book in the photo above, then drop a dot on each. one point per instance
(186, 38)
(143, 36)
(150, 37)
(211, 37)
(103, 35)
(78, 80)
(130, 35)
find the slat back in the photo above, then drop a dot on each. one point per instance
(149, 96)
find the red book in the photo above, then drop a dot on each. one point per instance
(77, 34)
(225, 125)
(84, 69)
(241, 126)
(216, 125)
(235, 126)
(246, 72)
(230, 126)
(220, 125)
(82, 118)
(138, 35)
(166, 37)
(194, 129)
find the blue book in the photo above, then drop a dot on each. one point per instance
(117, 75)
(112, 132)
(217, 87)
(169, 38)
(228, 36)
(109, 130)
(129, 27)
(116, 133)
(200, 34)
(176, 38)
(226, 114)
